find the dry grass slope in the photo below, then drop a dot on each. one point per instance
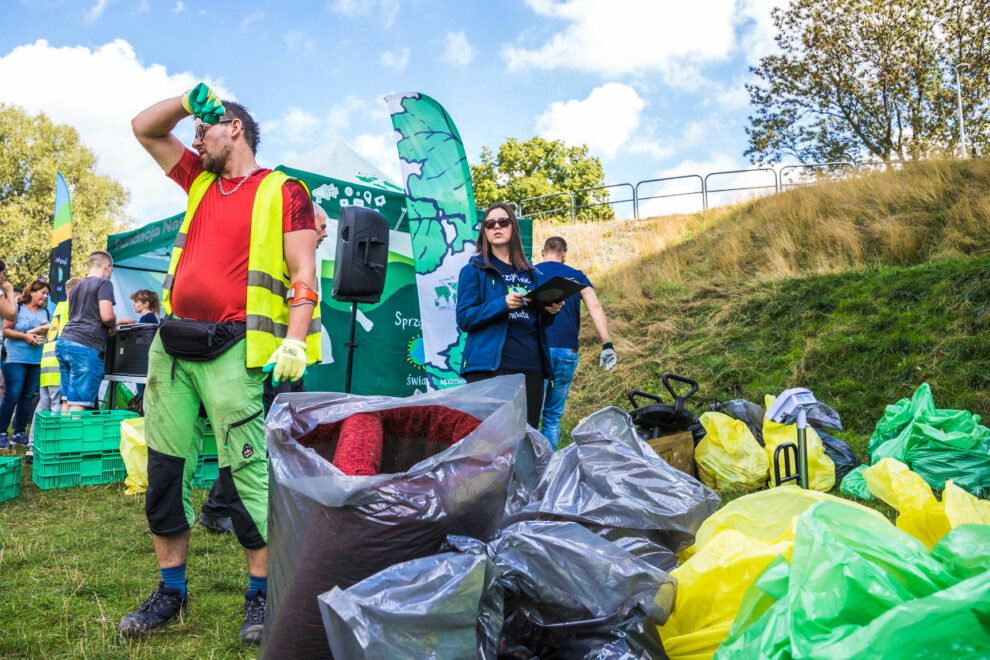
(676, 289)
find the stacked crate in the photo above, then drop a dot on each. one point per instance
(78, 448)
(207, 469)
(10, 477)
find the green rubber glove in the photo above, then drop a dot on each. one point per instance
(202, 102)
(288, 362)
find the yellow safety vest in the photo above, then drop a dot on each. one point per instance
(268, 276)
(50, 374)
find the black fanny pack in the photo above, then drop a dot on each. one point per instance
(199, 341)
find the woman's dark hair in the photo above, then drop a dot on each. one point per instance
(149, 298)
(517, 256)
(37, 285)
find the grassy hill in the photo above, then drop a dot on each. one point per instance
(860, 289)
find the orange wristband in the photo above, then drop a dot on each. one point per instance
(300, 294)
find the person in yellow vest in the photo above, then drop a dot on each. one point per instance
(50, 398)
(239, 303)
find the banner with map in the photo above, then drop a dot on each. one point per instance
(442, 224)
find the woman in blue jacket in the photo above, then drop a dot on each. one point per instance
(505, 333)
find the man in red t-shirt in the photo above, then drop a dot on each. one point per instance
(232, 210)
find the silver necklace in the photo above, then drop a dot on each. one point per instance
(228, 194)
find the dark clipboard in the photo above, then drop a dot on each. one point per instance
(554, 290)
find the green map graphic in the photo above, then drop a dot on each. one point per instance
(442, 221)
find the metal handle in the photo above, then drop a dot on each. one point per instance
(679, 400)
(788, 448)
(635, 393)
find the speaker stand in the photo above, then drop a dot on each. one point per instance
(350, 349)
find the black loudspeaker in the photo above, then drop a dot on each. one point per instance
(127, 350)
(362, 255)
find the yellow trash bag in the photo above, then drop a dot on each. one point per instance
(729, 457)
(820, 466)
(920, 514)
(962, 507)
(731, 548)
(135, 454)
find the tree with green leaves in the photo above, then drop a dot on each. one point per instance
(538, 167)
(871, 79)
(32, 149)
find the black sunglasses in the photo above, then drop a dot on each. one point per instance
(501, 222)
(202, 128)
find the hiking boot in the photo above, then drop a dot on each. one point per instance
(254, 617)
(4, 440)
(216, 524)
(163, 605)
(20, 438)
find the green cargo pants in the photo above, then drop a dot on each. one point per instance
(232, 396)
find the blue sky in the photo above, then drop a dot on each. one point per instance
(654, 87)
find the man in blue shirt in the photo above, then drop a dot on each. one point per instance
(564, 335)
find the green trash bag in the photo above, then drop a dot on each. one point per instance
(937, 444)
(855, 485)
(858, 587)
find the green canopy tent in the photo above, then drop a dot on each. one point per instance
(390, 354)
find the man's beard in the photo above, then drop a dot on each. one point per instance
(215, 164)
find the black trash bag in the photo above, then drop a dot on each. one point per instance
(842, 455)
(566, 588)
(639, 545)
(820, 416)
(329, 529)
(444, 606)
(746, 412)
(532, 458)
(609, 478)
(637, 638)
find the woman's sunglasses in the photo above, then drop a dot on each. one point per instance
(501, 222)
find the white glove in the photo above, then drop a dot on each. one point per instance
(288, 362)
(608, 357)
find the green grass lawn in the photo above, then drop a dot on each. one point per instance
(73, 561)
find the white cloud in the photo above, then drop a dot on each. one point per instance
(756, 23)
(457, 50)
(78, 82)
(179, 7)
(296, 126)
(732, 97)
(97, 10)
(379, 149)
(650, 147)
(397, 60)
(383, 10)
(252, 18)
(298, 41)
(628, 36)
(604, 121)
(643, 37)
(340, 113)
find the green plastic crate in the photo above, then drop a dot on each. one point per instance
(207, 471)
(76, 469)
(209, 442)
(10, 477)
(83, 432)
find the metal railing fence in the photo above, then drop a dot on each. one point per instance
(705, 191)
